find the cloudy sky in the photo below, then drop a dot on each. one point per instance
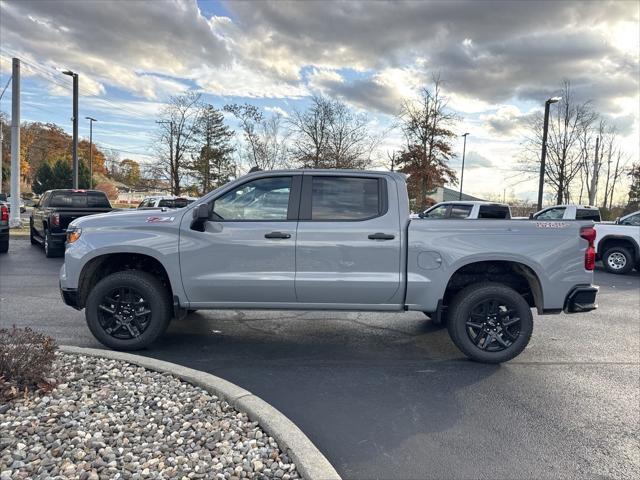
(500, 60)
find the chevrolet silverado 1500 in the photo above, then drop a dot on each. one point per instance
(330, 240)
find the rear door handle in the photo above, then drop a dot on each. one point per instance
(277, 235)
(381, 236)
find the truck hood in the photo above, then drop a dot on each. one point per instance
(128, 218)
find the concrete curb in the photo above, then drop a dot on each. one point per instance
(309, 461)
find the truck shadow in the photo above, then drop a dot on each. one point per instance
(358, 387)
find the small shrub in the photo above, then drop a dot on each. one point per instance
(26, 360)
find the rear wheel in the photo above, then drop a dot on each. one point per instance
(128, 310)
(618, 260)
(490, 322)
(51, 251)
(4, 246)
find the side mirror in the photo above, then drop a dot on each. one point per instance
(531, 216)
(200, 217)
(423, 215)
(617, 222)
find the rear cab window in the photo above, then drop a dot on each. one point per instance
(588, 214)
(346, 198)
(79, 199)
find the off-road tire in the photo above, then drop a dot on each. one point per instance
(154, 293)
(460, 311)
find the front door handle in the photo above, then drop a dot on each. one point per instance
(277, 235)
(381, 236)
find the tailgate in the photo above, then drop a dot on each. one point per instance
(69, 215)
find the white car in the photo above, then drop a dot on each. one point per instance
(467, 210)
(165, 201)
(618, 244)
(568, 212)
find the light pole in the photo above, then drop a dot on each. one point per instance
(91, 120)
(464, 151)
(74, 151)
(543, 157)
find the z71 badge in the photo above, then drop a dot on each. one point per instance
(551, 224)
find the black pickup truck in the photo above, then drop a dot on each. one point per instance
(56, 209)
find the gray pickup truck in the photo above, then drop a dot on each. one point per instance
(329, 240)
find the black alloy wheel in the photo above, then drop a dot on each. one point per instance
(124, 313)
(493, 325)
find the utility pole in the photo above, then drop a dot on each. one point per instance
(14, 219)
(464, 151)
(1, 136)
(543, 158)
(171, 166)
(91, 120)
(74, 151)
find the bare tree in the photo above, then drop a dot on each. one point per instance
(176, 138)
(427, 126)
(311, 133)
(564, 150)
(265, 138)
(331, 135)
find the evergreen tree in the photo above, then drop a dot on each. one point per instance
(213, 166)
(43, 179)
(634, 190)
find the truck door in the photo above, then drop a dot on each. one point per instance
(349, 240)
(246, 253)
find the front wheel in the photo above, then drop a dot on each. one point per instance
(4, 246)
(128, 310)
(490, 322)
(618, 260)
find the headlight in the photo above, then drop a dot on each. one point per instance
(73, 234)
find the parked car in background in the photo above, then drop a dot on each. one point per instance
(338, 240)
(167, 201)
(618, 244)
(468, 210)
(4, 227)
(56, 210)
(568, 212)
(7, 199)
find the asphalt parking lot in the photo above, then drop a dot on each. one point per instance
(388, 396)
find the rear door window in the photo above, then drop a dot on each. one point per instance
(588, 214)
(345, 198)
(460, 211)
(493, 211)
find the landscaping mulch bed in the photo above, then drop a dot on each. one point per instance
(107, 419)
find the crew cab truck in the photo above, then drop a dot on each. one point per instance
(56, 209)
(618, 244)
(328, 240)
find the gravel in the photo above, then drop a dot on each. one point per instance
(111, 420)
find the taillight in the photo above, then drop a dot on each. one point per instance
(589, 234)
(55, 219)
(4, 213)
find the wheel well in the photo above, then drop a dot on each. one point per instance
(516, 275)
(608, 243)
(98, 268)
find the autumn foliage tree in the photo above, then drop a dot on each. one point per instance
(426, 125)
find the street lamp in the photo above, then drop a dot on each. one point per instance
(74, 151)
(464, 150)
(543, 158)
(91, 120)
